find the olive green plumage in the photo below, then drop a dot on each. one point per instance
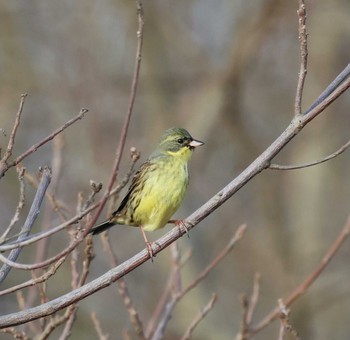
(158, 187)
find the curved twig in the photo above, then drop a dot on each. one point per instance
(306, 165)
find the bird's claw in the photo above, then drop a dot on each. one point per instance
(150, 250)
(180, 224)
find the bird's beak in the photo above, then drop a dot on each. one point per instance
(195, 143)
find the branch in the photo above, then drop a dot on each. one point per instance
(303, 56)
(306, 165)
(202, 314)
(35, 147)
(3, 162)
(98, 328)
(34, 281)
(20, 205)
(32, 215)
(285, 323)
(261, 162)
(342, 77)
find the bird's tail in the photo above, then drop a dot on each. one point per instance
(97, 229)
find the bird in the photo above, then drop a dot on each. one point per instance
(158, 187)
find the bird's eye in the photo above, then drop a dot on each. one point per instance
(180, 140)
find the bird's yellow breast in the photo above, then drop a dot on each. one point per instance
(162, 193)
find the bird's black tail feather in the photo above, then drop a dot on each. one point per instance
(101, 227)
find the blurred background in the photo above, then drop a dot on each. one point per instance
(227, 72)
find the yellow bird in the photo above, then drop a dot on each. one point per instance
(158, 188)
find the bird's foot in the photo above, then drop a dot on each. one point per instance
(150, 250)
(148, 245)
(180, 224)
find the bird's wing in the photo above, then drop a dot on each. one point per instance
(141, 175)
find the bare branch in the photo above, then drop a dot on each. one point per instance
(306, 165)
(35, 147)
(249, 309)
(15, 218)
(303, 57)
(34, 281)
(32, 215)
(15, 334)
(3, 162)
(285, 323)
(98, 328)
(254, 298)
(340, 79)
(200, 317)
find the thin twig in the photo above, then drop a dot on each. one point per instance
(249, 309)
(176, 262)
(20, 205)
(285, 323)
(341, 78)
(32, 215)
(54, 323)
(36, 237)
(5, 165)
(98, 329)
(15, 333)
(306, 165)
(202, 314)
(242, 335)
(310, 279)
(8, 153)
(34, 281)
(254, 298)
(48, 138)
(303, 57)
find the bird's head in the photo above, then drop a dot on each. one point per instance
(177, 142)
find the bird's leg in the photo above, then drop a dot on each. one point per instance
(179, 224)
(148, 244)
